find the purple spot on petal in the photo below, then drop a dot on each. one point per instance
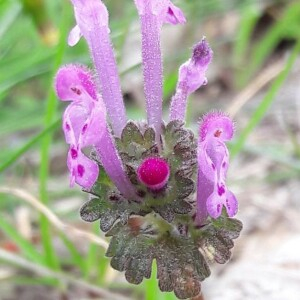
(227, 204)
(80, 170)
(221, 190)
(74, 153)
(218, 208)
(170, 11)
(213, 166)
(218, 133)
(76, 91)
(224, 164)
(68, 127)
(84, 128)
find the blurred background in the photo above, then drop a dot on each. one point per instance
(46, 251)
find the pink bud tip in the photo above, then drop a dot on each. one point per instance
(154, 172)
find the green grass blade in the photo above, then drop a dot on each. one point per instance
(249, 17)
(90, 261)
(52, 259)
(25, 246)
(170, 83)
(76, 256)
(264, 47)
(169, 296)
(9, 15)
(265, 103)
(15, 156)
(95, 262)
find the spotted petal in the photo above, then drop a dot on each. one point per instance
(74, 83)
(213, 162)
(83, 171)
(214, 205)
(231, 204)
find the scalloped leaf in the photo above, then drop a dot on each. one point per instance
(216, 238)
(132, 250)
(184, 186)
(109, 211)
(180, 146)
(131, 134)
(180, 265)
(169, 211)
(173, 201)
(149, 136)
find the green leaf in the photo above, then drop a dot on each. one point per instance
(216, 238)
(132, 251)
(180, 265)
(131, 134)
(109, 209)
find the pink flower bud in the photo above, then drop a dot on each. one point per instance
(154, 173)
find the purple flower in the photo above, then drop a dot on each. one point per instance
(84, 124)
(92, 23)
(158, 185)
(213, 160)
(83, 121)
(154, 13)
(91, 114)
(191, 77)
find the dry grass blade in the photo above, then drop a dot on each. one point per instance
(54, 220)
(43, 271)
(255, 86)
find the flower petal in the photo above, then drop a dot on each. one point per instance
(174, 15)
(83, 171)
(94, 126)
(74, 119)
(205, 188)
(74, 36)
(214, 205)
(202, 53)
(217, 153)
(205, 163)
(216, 125)
(74, 83)
(231, 204)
